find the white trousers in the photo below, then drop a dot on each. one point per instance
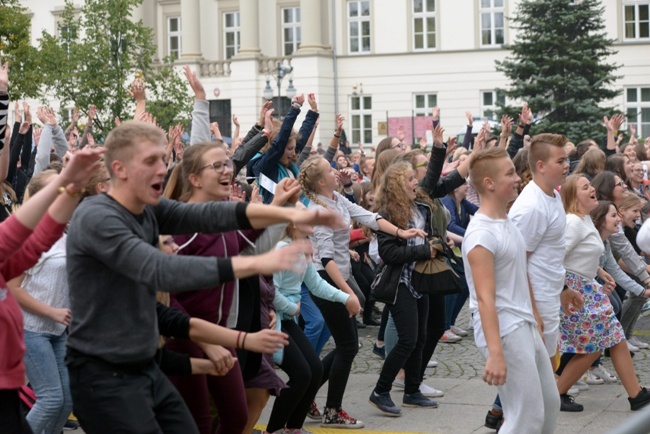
(529, 397)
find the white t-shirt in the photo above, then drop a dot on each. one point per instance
(583, 246)
(513, 305)
(542, 222)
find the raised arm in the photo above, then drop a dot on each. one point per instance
(201, 113)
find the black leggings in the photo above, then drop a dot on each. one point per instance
(410, 317)
(338, 363)
(305, 370)
(435, 328)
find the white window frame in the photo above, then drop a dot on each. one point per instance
(491, 107)
(294, 27)
(637, 23)
(364, 131)
(428, 108)
(232, 29)
(492, 12)
(425, 16)
(174, 34)
(359, 21)
(637, 107)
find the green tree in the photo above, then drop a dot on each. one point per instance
(16, 47)
(559, 65)
(96, 55)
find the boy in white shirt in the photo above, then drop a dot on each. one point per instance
(505, 329)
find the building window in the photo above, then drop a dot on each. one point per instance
(174, 37)
(636, 16)
(231, 34)
(489, 100)
(359, 26)
(637, 105)
(290, 30)
(492, 23)
(424, 24)
(361, 117)
(424, 104)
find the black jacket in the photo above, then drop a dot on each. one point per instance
(396, 254)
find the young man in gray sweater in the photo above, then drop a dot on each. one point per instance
(115, 268)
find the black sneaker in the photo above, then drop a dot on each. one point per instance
(567, 403)
(492, 419)
(371, 322)
(385, 404)
(641, 400)
(417, 399)
(360, 325)
(379, 351)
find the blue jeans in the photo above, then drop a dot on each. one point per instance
(315, 328)
(48, 376)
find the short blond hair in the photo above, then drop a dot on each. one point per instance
(481, 165)
(121, 141)
(540, 148)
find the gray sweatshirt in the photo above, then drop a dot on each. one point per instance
(115, 267)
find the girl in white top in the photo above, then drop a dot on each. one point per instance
(587, 331)
(319, 182)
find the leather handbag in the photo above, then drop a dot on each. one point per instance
(435, 275)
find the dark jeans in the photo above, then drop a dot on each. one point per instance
(338, 363)
(109, 398)
(455, 302)
(305, 370)
(382, 326)
(11, 418)
(364, 276)
(410, 317)
(435, 328)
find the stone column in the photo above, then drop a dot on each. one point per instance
(190, 30)
(310, 26)
(249, 23)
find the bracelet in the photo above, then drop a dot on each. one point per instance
(243, 342)
(337, 136)
(348, 185)
(74, 194)
(266, 133)
(397, 233)
(294, 102)
(238, 336)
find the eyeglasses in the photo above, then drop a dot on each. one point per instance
(620, 184)
(398, 145)
(637, 170)
(219, 166)
(420, 165)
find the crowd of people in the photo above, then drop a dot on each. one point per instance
(142, 279)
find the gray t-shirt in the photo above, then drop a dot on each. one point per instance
(115, 268)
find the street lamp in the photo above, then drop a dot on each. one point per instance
(282, 71)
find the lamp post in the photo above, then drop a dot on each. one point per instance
(282, 71)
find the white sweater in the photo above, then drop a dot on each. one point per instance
(583, 246)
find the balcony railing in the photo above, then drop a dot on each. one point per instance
(216, 68)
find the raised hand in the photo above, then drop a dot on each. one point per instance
(17, 115)
(195, 84)
(401, 133)
(256, 197)
(339, 124)
(28, 112)
(237, 193)
(82, 166)
(470, 119)
(437, 136)
(75, 115)
(235, 121)
(451, 146)
(435, 113)
(24, 127)
(300, 99)
(526, 115)
(137, 90)
(92, 112)
(506, 125)
(268, 120)
(117, 121)
(311, 98)
(90, 139)
(265, 107)
(4, 75)
(214, 129)
(37, 135)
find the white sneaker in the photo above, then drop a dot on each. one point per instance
(432, 364)
(430, 392)
(602, 373)
(631, 347)
(450, 337)
(573, 391)
(581, 385)
(397, 383)
(637, 343)
(459, 331)
(590, 377)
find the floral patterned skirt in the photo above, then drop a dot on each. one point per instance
(595, 327)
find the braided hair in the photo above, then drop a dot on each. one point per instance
(309, 175)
